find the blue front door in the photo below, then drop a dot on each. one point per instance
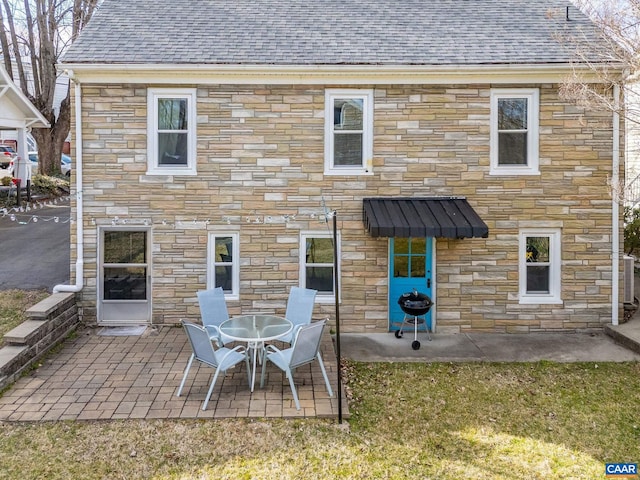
(409, 268)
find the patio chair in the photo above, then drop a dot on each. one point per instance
(213, 311)
(221, 359)
(304, 349)
(299, 309)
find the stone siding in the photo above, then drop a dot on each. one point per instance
(260, 153)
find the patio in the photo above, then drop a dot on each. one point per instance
(96, 377)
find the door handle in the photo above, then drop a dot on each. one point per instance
(428, 283)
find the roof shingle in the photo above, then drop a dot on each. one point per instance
(331, 32)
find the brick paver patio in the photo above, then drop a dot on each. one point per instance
(118, 377)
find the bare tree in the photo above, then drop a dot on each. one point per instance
(615, 62)
(33, 35)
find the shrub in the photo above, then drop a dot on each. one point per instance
(54, 186)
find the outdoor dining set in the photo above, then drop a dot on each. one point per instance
(212, 341)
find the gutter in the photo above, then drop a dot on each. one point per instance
(615, 210)
(79, 202)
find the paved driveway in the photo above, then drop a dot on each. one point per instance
(35, 255)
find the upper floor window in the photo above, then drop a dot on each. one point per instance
(514, 131)
(348, 132)
(223, 265)
(171, 131)
(317, 264)
(540, 266)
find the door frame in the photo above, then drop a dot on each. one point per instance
(100, 307)
(433, 289)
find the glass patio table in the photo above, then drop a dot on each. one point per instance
(255, 329)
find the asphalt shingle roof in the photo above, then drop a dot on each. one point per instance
(331, 32)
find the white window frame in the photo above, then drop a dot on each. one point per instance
(212, 262)
(367, 132)
(153, 95)
(555, 258)
(533, 131)
(321, 297)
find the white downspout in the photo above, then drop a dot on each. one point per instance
(79, 213)
(615, 210)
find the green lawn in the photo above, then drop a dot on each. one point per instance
(442, 421)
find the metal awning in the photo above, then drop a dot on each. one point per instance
(440, 217)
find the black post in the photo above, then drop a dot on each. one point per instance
(28, 190)
(18, 192)
(337, 296)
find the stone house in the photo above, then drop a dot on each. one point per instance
(220, 150)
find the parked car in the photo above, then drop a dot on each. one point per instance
(65, 163)
(7, 154)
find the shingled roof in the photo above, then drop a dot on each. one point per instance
(331, 32)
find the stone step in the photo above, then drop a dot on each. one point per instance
(8, 356)
(627, 334)
(22, 334)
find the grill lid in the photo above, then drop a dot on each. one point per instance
(415, 303)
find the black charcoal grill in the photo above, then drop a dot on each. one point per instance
(414, 305)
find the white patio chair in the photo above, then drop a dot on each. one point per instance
(304, 349)
(203, 351)
(299, 309)
(213, 311)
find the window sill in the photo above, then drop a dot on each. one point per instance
(325, 299)
(172, 171)
(349, 172)
(540, 300)
(513, 171)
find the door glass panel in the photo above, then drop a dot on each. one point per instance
(417, 266)
(401, 246)
(418, 246)
(129, 283)
(409, 257)
(125, 247)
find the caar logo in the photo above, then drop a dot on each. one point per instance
(621, 470)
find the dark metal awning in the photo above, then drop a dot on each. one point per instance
(441, 217)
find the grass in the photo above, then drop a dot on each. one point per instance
(13, 304)
(443, 421)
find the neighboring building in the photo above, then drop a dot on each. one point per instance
(17, 117)
(214, 134)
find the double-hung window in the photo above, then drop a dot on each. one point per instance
(223, 263)
(171, 131)
(317, 264)
(540, 260)
(514, 131)
(348, 132)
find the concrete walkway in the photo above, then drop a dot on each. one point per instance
(616, 344)
(95, 377)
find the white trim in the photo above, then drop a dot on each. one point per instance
(235, 263)
(532, 95)
(555, 258)
(213, 74)
(153, 95)
(367, 131)
(615, 210)
(321, 297)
